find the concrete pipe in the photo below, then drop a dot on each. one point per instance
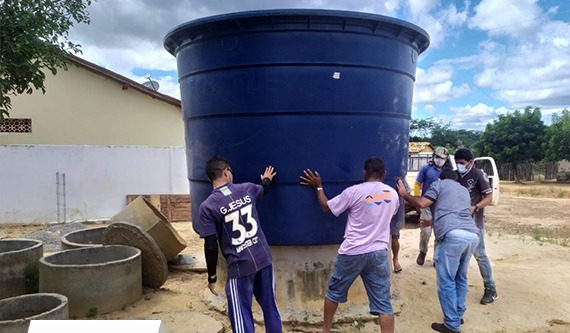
(17, 312)
(19, 266)
(96, 280)
(92, 237)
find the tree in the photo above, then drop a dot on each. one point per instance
(33, 38)
(557, 145)
(515, 137)
(450, 138)
(420, 129)
(440, 134)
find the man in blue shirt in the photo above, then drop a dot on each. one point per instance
(428, 174)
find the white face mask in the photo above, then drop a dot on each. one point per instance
(439, 161)
(461, 168)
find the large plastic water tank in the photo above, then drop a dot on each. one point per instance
(296, 89)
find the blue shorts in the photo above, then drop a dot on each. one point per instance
(397, 222)
(374, 270)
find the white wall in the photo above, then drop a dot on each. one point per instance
(98, 179)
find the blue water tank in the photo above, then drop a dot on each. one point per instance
(296, 89)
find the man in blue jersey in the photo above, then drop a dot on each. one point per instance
(364, 251)
(228, 218)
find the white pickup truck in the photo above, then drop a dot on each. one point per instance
(487, 164)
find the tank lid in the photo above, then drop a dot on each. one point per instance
(295, 20)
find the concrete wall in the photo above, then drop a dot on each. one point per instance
(98, 179)
(81, 107)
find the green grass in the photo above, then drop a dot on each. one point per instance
(32, 277)
(536, 234)
(92, 313)
(558, 322)
(359, 323)
(541, 235)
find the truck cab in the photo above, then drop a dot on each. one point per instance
(487, 164)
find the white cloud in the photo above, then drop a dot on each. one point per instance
(124, 61)
(548, 113)
(560, 42)
(430, 109)
(436, 84)
(439, 92)
(434, 74)
(438, 21)
(479, 115)
(422, 7)
(169, 86)
(515, 18)
(529, 72)
(453, 17)
(502, 110)
(478, 110)
(474, 117)
(392, 6)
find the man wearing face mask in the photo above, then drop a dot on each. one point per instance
(428, 174)
(481, 194)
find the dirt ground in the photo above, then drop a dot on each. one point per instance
(528, 242)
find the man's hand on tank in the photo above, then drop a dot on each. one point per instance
(401, 188)
(269, 173)
(311, 179)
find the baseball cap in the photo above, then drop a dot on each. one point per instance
(441, 152)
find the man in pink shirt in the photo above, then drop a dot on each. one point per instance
(364, 251)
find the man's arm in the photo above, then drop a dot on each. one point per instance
(211, 254)
(420, 202)
(486, 201)
(314, 180)
(483, 186)
(321, 196)
(208, 233)
(267, 177)
(420, 178)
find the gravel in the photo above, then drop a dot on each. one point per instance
(51, 236)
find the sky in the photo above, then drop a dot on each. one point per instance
(486, 58)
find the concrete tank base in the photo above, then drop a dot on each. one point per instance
(302, 274)
(91, 237)
(19, 266)
(17, 312)
(95, 280)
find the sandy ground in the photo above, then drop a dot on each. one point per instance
(528, 239)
